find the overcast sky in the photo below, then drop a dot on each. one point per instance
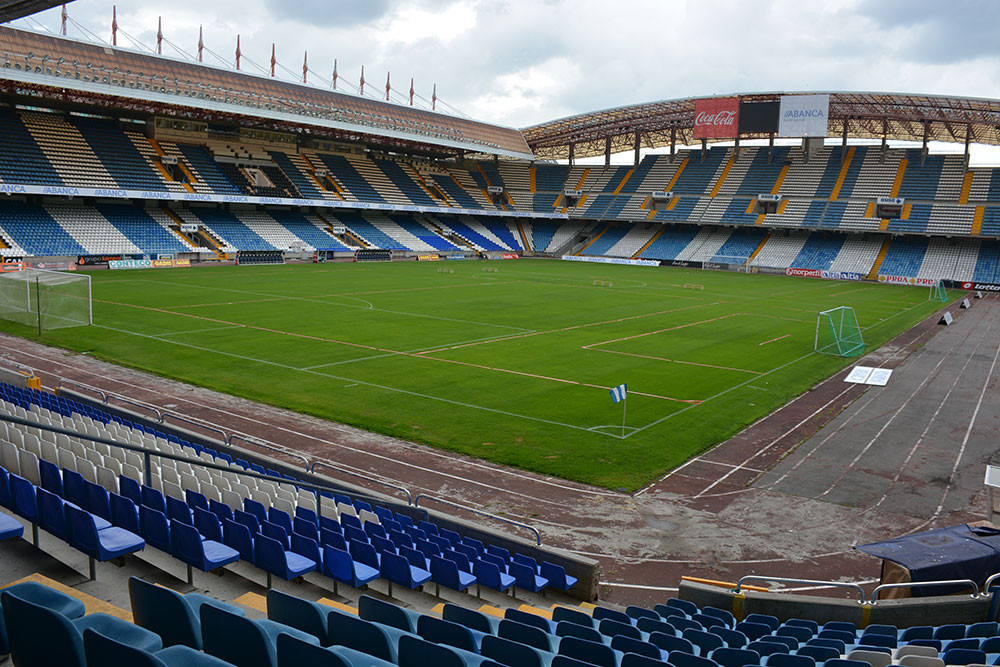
(521, 62)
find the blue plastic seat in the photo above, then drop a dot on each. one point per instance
(238, 536)
(5, 488)
(292, 651)
(51, 514)
(765, 649)
(178, 510)
(686, 606)
(248, 520)
(544, 624)
(958, 656)
(98, 501)
(788, 660)
(305, 528)
(40, 637)
(723, 614)
(873, 639)
(74, 489)
(983, 630)
(567, 629)
(526, 634)
(916, 632)
(221, 510)
(681, 659)
(797, 632)
(470, 618)
(277, 533)
(671, 643)
(708, 622)
(174, 617)
(154, 528)
(196, 500)
(291, 610)
(440, 631)
(188, 546)
(341, 567)
(100, 545)
(943, 632)
(44, 596)
(376, 639)
(514, 654)
(735, 657)
(847, 626)
(752, 630)
(818, 653)
(244, 642)
(271, 556)
(612, 628)
(825, 641)
(11, 528)
(257, 509)
(590, 652)
(124, 513)
(102, 651)
(602, 613)
(525, 577)
(790, 643)
(446, 573)
(152, 498)
(23, 499)
(732, 638)
(561, 613)
(49, 477)
(705, 641)
(127, 487)
(364, 553)
(649, 626)
(813, 626)
(635, 613)
(630, 645)
(207, 524)
(397, 570)
(373, 609)
(280, 517)
(415, 652)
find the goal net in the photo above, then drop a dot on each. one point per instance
(56, 299)
(838, 333)
(938, 293)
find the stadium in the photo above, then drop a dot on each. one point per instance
(707, 381)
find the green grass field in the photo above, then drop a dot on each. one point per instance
(512, 366)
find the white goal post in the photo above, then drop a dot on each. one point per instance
(48, 299)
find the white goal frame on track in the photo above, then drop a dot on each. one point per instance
(838, 333)
(48, 299)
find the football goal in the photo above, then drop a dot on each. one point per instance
(838, 333)
(47, 299)
(938, 292)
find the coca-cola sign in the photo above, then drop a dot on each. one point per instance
(716, 118)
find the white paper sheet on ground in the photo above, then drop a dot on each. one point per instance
(859, 374)
(879, 377)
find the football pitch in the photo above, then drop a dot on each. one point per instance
(513, 364)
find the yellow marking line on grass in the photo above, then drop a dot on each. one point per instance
(773, 340)
(391, 352)
(564, 329)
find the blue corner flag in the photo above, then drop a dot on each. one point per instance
(619, 393)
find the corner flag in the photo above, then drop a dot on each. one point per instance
(619, 393)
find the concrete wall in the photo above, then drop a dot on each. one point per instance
(584, 569)
(902, 613)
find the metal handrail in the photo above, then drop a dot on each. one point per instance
(193, 422)
(538, 536)
(989, 581)
(86, 387)
(138, 404)
(148, 453)
(914, 584)
(812, 582)
(368, 478)
(20, 366)
(269, 446)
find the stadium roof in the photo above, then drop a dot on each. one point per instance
(15, 9)
(72, 72)
(896, 116)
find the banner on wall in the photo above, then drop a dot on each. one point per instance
(716, 118)
(803, 115)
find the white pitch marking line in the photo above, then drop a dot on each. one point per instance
(194, 331)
